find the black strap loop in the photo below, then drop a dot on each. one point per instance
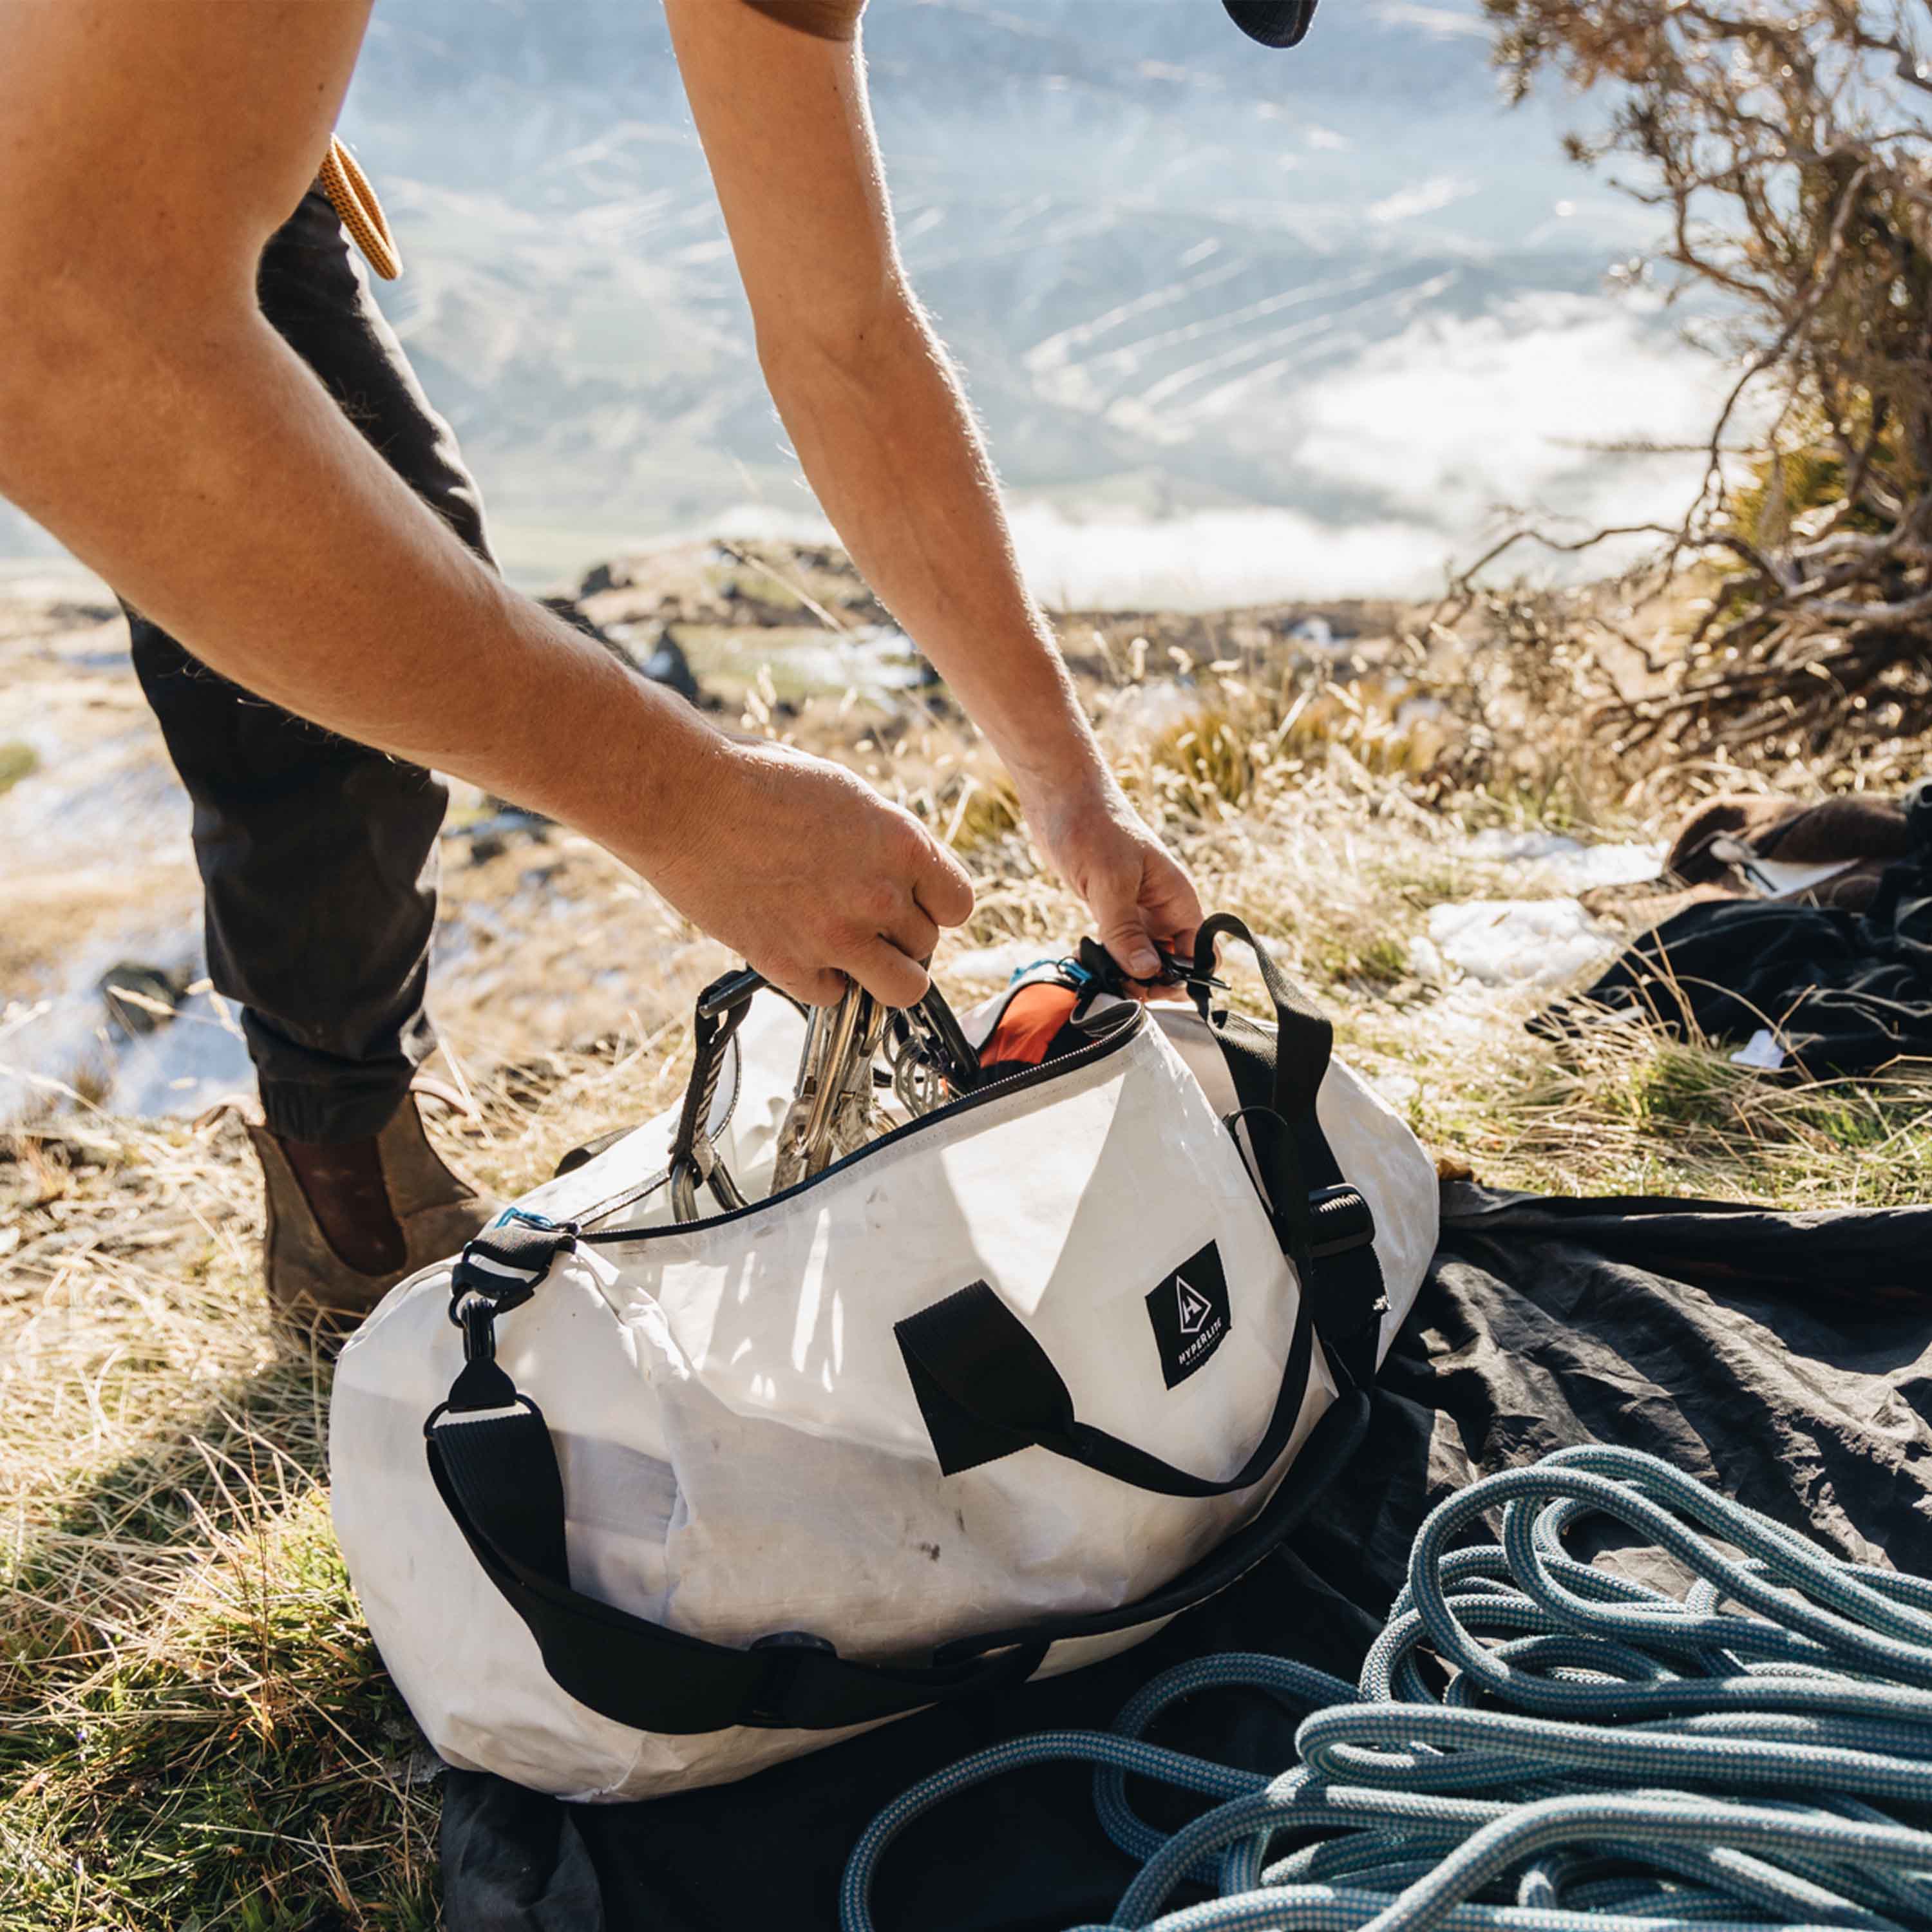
(986, 1389)
(1304, 1038)
(497, 1474)
(504, 1264)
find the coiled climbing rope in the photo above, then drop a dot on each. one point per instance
(1538, 1745)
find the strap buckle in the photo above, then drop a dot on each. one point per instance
(480, 1383)
(1340, 1221)
(502, 1266)
(785, 1650)
(475, 1315)
(1099, 968)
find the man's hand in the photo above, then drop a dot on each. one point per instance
(1104, 849)
(800, 866)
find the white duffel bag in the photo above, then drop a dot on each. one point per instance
(636, 1501)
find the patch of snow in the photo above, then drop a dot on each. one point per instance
(1520, 942)
(1426, 961)
(66, 1039)
(872, 661)
(1398, 1090)
(1320, 634)
(1565, 864)
(1763, 1050)
(182, 1068)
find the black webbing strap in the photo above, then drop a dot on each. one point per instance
(1304, 1038)
(506, 1261)
(1324, 1222)
(1351, 1297)
(986, 1389)
(1341, 1276)
(496, 1469)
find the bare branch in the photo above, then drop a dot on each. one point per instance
(1784, 145)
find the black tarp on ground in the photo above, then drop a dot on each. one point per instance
(1784, 1357)
(1845, 992)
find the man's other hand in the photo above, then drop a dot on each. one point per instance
(1138, 893)
(798, 864)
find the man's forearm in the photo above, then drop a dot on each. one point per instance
(198, 465)
(874, 410)
(885, 436)
(154, 422)
(217, 485)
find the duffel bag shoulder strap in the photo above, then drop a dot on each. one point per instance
(1285, 1074)
(497, 1472)
(1323, 1220)
(494, 1464)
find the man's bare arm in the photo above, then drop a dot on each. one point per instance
(152, 420)
(883, 429)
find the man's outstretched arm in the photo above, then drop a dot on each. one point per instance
(880, 424)
(151, 420)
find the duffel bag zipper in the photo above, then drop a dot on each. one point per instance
(1111, 1042)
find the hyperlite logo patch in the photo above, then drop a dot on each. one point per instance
(1190, 1314)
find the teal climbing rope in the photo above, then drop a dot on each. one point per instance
(1537, 1744)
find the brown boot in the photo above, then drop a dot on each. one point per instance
(348, 1220)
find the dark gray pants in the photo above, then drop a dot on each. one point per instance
(318, 857)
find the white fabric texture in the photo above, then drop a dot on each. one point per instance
(742, 1450)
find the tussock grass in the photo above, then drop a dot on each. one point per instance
(1646, 1114)
(195, 1731)
(17, 761)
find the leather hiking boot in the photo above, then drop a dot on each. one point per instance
(346, 1221)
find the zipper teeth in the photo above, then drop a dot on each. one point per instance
(1033, 1076)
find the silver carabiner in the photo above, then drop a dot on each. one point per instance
(835, 1074)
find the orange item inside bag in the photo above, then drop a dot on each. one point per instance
(1032, 1021)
